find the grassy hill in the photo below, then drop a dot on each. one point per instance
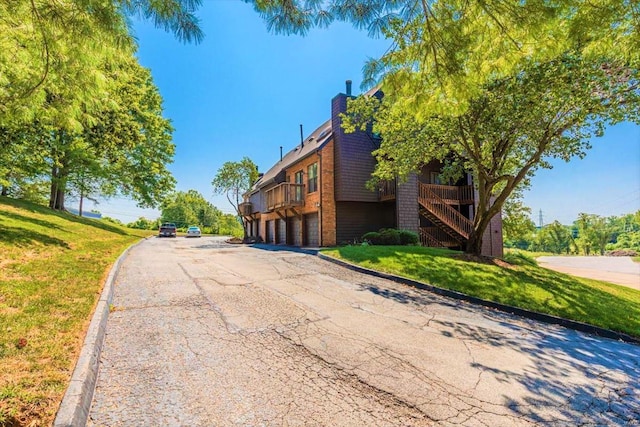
(518, 282)
(52, 267)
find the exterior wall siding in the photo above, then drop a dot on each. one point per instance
(407, 212)
(311, 228)
(492, 243)
(294, 231)
(328, 203)
(354, 219)
(354, 162)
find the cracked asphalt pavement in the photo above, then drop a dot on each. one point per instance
(207, 334)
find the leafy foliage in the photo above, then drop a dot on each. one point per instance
(391, 237)
(546, 110)
(517, 226)
(191, 208)
(445, 52)
(233, 179)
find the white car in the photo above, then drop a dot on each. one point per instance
(193, 232)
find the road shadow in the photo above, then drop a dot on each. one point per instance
(610, 397)
(612, 368)
(284, 248)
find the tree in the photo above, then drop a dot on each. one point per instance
(190, 208)
(517, 226)
(445, 52)
(234, 179)
(546, 110)
(143, 223)
(554, 237)
(60, 43)
(594, 232)
(231, 226)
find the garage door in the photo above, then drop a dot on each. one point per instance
(281, 226)
(311, 230)
(295, 231)
(269, 231)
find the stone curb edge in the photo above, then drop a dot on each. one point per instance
(546, 318)
(75, 405)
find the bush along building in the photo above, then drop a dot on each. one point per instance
(316, 195)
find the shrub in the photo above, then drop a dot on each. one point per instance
(391, 237)
(373, 237)
(622, 252)
(408, 237)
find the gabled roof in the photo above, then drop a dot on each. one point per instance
(312, 143)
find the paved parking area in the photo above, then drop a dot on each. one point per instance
(619, 270)
(202, 334)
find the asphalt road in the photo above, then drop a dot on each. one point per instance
(206, 334)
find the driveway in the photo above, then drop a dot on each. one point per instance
(206, 334)
(619, 270)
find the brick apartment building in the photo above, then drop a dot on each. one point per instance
(316, 195)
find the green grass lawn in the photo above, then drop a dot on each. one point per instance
(52, 268)
(518, 282)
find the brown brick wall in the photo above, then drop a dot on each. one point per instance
(325, 208)
(328, 203)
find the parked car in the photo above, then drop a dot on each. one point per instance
(193, 231)
(168, 229)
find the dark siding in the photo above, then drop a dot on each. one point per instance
(294, 233)
(281, 227)
(353, 160)
(408, 214)
(270, 231)
(355, 219)
(311, 228)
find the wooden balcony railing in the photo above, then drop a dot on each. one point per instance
(443, 212)
(245, 208)
(459, 195)
(285, 196)
(387, 190)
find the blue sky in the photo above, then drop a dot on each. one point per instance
(244, 92)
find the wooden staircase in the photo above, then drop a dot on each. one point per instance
(446, 218)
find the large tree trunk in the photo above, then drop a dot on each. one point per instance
(58, 186)
(5, 191)
(474, 244)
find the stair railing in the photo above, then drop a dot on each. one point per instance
(445, 213)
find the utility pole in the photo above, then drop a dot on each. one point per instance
(540, 219)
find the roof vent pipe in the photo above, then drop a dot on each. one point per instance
(281, 153)
(348, 87)
(301, 137)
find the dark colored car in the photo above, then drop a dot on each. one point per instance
(168, 229)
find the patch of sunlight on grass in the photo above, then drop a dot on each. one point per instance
(52, 267)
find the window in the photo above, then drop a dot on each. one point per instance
(298, 180)
(434, 178)
(312, 177)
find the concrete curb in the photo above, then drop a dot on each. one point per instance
(546, 318)
(74, 409)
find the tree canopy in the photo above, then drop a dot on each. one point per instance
(191, 208)
(508, 131)
(233, 179)
(443, 52)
